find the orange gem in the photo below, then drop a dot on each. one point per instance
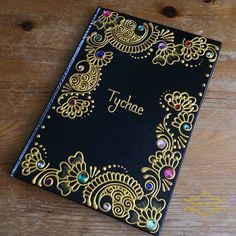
(187, 43)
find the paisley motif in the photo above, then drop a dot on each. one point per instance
(125, 38)
(116, 192)
(121, 188)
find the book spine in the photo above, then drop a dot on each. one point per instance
(54, 94)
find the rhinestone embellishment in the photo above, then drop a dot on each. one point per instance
(98, 37)
(82, 178)
(209, 54)
(151, 224)
(48, 181)
(187, 43)
(80, 68)
(72, 102)
(161, 143)
(169, 173)
(140, 27)
(40, 164)
(100, 53)
(177, 107)
(107, 206)
(107, 13)
(149, 186)
(187, 127)
(162, 45)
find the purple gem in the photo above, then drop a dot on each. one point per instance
(161, 143)
(162, 45)
(107, 13)
(72, 102)
(48, 181)
(100, 53)
(80, 68)
(106, 206)
(149, 186)
(169, 173)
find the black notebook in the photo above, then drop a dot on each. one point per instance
(115, 130)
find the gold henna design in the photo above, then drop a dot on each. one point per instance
(119, 193)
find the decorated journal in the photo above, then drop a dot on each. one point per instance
(115, 130)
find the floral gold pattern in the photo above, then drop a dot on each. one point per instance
(125, 35)
(69, 173)
(32, 161)
(181, 102)
(106, 21)
(163, 160)
(167, 55)
(73, 107)
(116, 192)
(106, 189)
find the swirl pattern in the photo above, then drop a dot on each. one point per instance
(118, 193)
(126, 36)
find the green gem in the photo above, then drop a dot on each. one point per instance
(209, 54)
(151, 224)
(98, 37)
(82, 178)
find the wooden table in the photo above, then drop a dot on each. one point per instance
(37, 40)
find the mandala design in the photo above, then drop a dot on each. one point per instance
(116, 192)
(127, 36)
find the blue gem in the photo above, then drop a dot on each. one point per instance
(151, 224)
(186, 127)
(140, 27)
(162, 45)
(100, 53)
(149, 186)
(82, 178)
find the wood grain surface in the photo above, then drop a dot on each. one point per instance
(37, 40)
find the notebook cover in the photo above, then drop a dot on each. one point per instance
(115, 131)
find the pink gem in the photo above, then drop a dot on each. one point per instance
(169, 173)
(72, 102)
(107, 13)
